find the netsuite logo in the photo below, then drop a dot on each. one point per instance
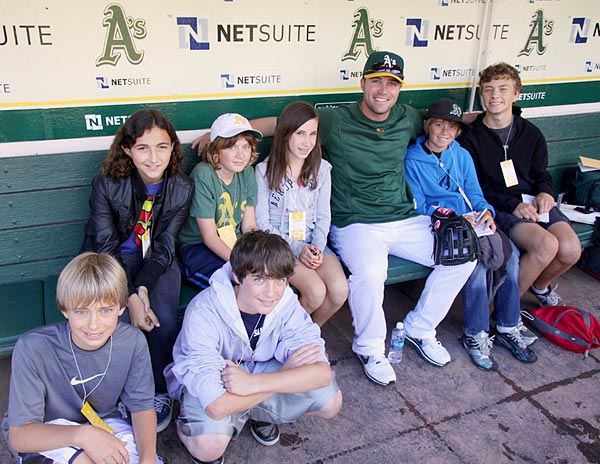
(530, 67)
(450, 73)
(193, 33)
(591, 66)
(105, 83)
(230, 81)
(102, 82)
(227, 81)
(417, 32)
(580, 29)
(461, 2)
(96, 122)
(346, 75)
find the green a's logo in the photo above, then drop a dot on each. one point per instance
(121, 30)
(539, 28)
(364, 31)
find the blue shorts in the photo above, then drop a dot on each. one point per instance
(198, 264)
(507, 221)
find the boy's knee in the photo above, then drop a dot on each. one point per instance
(332, 407)
(569, 251)
(544, 247)
(206, 447)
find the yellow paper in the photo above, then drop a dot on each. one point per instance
(94, 419)
(227, 234)
(297, 225)
(590, 162)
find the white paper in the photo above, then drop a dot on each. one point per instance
(481, 230)
(576, 216)
(544, 217)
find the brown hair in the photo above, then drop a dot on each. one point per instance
(500, 71)
(292, 117)
(262, 253)
(118, 164)
(429, 122)
(211, 153)
(91, 278)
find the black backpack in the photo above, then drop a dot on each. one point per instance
(590, 258)
(584, 188)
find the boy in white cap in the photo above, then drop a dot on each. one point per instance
(224, 198)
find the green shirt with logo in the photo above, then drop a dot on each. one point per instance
(213, 199)
(368, 179)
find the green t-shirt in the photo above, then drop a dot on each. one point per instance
(213, 199)
(368, 180)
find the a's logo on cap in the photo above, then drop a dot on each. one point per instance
(389, 62)
(240, 120)
(456, 111)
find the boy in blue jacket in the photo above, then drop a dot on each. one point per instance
(441, 174)
(248, 351)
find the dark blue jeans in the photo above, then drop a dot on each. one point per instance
(507, 301)
(164, 301)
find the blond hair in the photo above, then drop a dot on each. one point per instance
(91, 278)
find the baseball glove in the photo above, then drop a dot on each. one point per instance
(455, 241)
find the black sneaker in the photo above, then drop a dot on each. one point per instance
(549, 297)
(198, 461)
(515, 344)
(265, 433)
(164, 411)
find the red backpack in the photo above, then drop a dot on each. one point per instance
(572, 328)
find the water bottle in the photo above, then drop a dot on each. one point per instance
(397, 344)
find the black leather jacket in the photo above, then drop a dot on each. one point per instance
(115, 206)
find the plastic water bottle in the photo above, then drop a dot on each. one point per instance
(397, 344)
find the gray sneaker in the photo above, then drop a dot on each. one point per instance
(550, 298)
(527, 335)
(479, 349)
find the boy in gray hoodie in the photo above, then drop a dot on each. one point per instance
(248, 351)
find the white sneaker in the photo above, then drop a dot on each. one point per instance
(378, 369)
(430, 349)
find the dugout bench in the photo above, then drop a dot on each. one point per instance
(44, 207)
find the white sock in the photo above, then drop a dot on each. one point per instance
(539, 292)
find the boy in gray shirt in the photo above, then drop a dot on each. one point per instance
(67, 378)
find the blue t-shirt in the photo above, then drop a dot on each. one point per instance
(130, 246)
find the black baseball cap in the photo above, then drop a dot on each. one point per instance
(444, 108)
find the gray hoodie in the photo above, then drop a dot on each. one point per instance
(213, 331)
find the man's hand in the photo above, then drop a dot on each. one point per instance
(308, 354)
(201, 142)
(237, 381)
(544, 202)
(526, 211)
(101, 446)
(140, 314)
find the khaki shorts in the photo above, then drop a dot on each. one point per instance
(281, 408)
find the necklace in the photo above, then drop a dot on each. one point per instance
(252, 335)
(505, 145)
(85, 394)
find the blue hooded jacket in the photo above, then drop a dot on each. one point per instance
(432, 186)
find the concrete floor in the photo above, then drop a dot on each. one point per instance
(546, 412)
